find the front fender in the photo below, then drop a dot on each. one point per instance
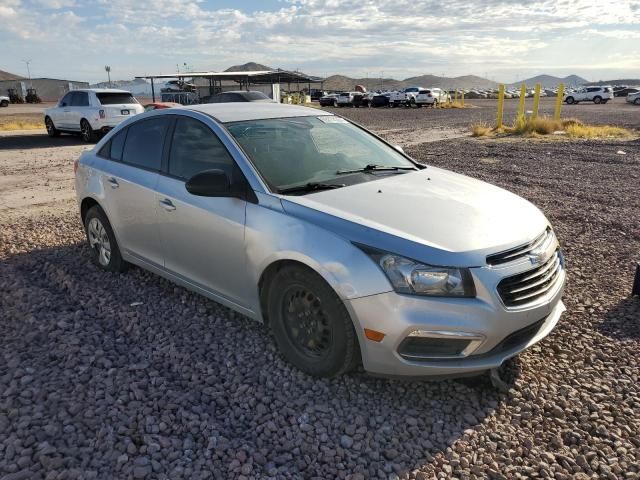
(272, 236)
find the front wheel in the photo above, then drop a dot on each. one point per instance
(52, 131)
(88, 135)
(310, 324)
(570, 100)
(104, 248)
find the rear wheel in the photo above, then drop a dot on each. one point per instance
(310, 323)
(104, 248)
(88, 135)
(4, 103)
(597, 99)
(52, 131)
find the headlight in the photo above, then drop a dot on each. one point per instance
(409, 276)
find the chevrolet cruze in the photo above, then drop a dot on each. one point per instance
(345, 247)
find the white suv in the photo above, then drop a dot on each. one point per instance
(634, 98)
(90, 112)
(4, 101)
(431, 97)
(599, 94)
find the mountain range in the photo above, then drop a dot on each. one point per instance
(551, 81)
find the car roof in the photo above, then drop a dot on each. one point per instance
(237, 112)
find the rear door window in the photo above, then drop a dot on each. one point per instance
(80, 99)
(144, 143)
(195, 148)
(66, 100)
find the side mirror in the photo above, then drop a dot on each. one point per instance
(399, 148)
(210, 183)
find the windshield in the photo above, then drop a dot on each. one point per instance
(296, 151)
(113, 98)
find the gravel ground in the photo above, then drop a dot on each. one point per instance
(128, 376)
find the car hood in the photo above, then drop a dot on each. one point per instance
(433, 215)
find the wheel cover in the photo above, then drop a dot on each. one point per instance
(85, 130)
(306, 323)
(99, 241)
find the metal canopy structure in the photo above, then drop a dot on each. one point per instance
(256, 77)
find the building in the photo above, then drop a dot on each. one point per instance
(48, 89)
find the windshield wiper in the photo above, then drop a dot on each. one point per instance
(375, 168)
(310, 187)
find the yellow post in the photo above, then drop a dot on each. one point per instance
(536, 101)
(455, 96)
(462, 98)
(523, 95)
(500, 105)
(559, 99)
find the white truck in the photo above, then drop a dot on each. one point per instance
(406, 97)
(90, 112)
(595, 94)
(4, 101)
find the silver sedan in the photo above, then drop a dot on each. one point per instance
(348, 249)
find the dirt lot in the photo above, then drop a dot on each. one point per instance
(128, 376)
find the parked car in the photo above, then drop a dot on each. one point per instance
(342, 244)
(601, 94)
(237, 96)
(431, 97)
(634, 98)
(345, 99)
(623, 92)
(4, 101)
(329, 100)
(317, 94)
(178, 86)
(90, 112)
(380, 99)
(159, 105)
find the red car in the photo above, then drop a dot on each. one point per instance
(158, 105)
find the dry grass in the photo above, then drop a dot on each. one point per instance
(11, 125)
(542, 126)
(480, 130)
(453, 105)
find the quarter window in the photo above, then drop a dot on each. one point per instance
(113, 148)
(145, 140)
(195, 148)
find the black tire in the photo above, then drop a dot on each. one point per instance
(636, 101)
(570, 100)
(597, 99)
(87, 133)
(95, 217)
(4, 103)
(52, 131)
(412, 102)
(310, 324)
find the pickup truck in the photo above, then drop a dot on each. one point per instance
(4, 101)
(90, 112)
(406, 97)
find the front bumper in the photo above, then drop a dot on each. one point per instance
(398, 315)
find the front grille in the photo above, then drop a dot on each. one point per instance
(526, 287)
(521, 251)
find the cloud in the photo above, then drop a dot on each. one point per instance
(401, 37)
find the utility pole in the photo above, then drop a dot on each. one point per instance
(28, 72)
(107, 69)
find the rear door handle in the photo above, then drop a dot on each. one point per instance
(113, 182)
(168, 205)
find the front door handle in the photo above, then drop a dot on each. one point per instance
(168, 205)
(113, 182)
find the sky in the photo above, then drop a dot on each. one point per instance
(504, 40)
